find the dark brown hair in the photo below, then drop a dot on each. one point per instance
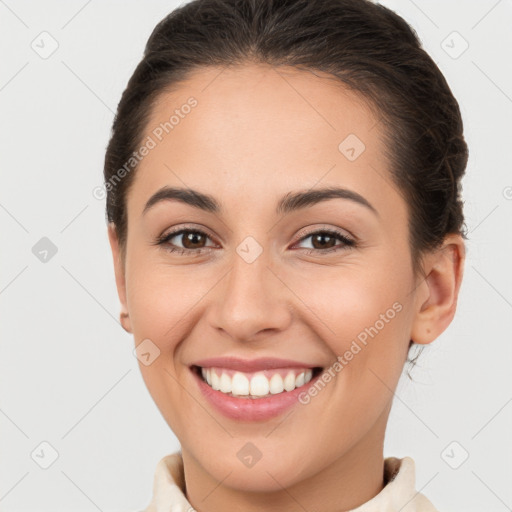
(364, 45)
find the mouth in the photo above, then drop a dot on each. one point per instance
(262, 384)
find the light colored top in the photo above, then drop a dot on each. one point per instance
(398, 494)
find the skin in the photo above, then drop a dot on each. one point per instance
(256, 134)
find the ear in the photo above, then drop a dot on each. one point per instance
(120, 276)
(438, 292)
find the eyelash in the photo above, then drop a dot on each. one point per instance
(348, 242)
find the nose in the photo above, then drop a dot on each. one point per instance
(252, 301)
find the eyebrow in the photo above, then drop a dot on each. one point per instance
(291, 201)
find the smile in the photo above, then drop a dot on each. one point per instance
(257, 395)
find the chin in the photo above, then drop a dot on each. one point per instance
(265, 476)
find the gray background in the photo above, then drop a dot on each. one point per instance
(68, 376)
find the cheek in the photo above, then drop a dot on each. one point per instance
(361, 315)
(161, 302)
(156, 295)
(353, 301)
(165, 303)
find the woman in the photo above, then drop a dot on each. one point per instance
(283, 198)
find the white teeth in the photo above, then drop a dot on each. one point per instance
(276, 384)
(289, 382)
(258, 385)
(225, 383)
(215, 381)
(240, 384)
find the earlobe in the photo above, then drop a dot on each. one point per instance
(124, 319)
(444, 268)
(119, 271)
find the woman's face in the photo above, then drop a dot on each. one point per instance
(266, 282)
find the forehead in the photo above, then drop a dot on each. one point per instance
(260, 131)
(263, 99)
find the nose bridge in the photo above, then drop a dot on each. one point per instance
(251, 299)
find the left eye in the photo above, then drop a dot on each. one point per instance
(191, 239)
(322, 241)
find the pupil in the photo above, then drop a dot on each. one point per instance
(192, 238)
(322, 236)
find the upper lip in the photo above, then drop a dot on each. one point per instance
(251, 365)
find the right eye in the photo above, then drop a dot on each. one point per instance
(192, 241)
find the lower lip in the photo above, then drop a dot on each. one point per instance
(251, 409)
